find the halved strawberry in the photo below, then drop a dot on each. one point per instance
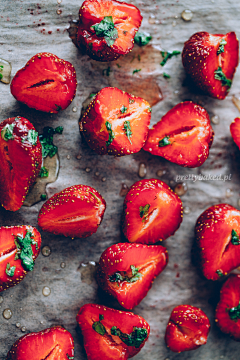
(151, 212)
(76, 211)
(126, 271)
(211, 61)
(45, 83)
(116, 123)
(20, 161)
(54, 343)
(19, 247)
(107, 28)
(235, 131)
(111, 334)
(183, 136)
(187, 329)
(228, 309)
(217, 240)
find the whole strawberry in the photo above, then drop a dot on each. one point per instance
(45, 83)
(211, 61)
(187, 329)
(235, 131)
(151, 212)
(20, 161)
(107, 28)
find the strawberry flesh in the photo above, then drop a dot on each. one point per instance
(183, 136)
(54, 343)
(211, 61)
(151, 212)
(46, 83)
(111, 334)
(187, 329)
(76, 211)
(235, 131)
(20, 161)
(126, 271)
(107, 28)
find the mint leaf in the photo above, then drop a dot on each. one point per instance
(43, 197)
(144, 212)
(24, 251)
(219, 75)
(7, 132)
(32, 137)
(46, 139)
(131, 101)
(58, 107)
(107, 71)
(116, 277)
(221, 46)
(111, 133)
(166, 76)
(136, 338)
(70, 357)
(127, 129)
(43, 172)
(234, 312)
(98, 326)
(235, 238)
(123, 109)
(220, 273)
(142, 39)
(136, 70)
(107, 30)
(10, 270)
(168, 55)
(164, 142)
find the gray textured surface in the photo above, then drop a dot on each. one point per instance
(21, 38)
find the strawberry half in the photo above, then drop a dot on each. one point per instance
(235, 131)
(76, 211)
(111, 334)
(107, 28)
(217, 240)
(45, 83)
(228, 309)
(151, 212)
(116, 123)
(19, 247)
(20, 161)
(183, 136)
(187, 329)
(126, 271)
(211, 61)
(54, 343)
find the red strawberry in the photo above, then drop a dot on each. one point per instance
(111, 334)
(217, 240)
(187, 329)
(235, 131)
(126, 271)
(76, 211)
(183, 136)
(20, 161)
(228, 309)
(107, 28)
(54, 343)
(116, 123)
(19, 247)
(151, 212)
(45, 83)
(211, 61)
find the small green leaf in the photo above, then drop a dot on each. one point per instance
(107, 71)
(142, 39)
(58, 107)
(123, 109)
(111, 133)
(23, 244)
(107, 30)
(46, 139)
(219, 75)
(164, 142)
(131, 101)
(168, 55)
(7, 132)
(43, 197)
(32, 137)
(144, 212)
(235, 238)
(166, 76)
(221, 46)
(149, 109)
(128, 130)
(234, 312)
(10, 270)
(116, 277)
(70, 357)
(59, 130)
(98, 326)
(119, 66)
(136, 71)
(92, 95)
(43, 172)
(1, 76)
(101, 317)
(136, 338)
(220, 273)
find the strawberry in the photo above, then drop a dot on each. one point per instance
(107, 28)
(217, 240)
(183, 136)
(19, 247)
(45, 83)
(111, 334)
(211, 61)
(228, 308)
(20, 161)
(76, 211)
(187, 329)
(151, 212)
(54, 343)
(126, 271)
(235, 131)
(116, 123)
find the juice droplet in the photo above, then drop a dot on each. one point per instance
(187, 15)
(151, 19)
(1, 299)
(236, 102)
(104, 179)
(18, 325)
(215, 120)
(124, 190)
(229, 193)
(186, 210)
(59, 1)
(181, 189)
(174, 23)
(142, 170)
(23, 329)
(88, 272)
(160, 173)
(46, 291)
(7, 314)
(74, 109)
(59, 11)
(63, 265)
(68, 157)
(87, 169)
(46, 251)
(97, 173)
(5, 71)
(79, 156)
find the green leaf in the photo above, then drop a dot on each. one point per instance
(220, 273)
(149, 109)
(107, 30)
(111, 133)
(221, 46)
(92, 95)
(135, 274)
(46, 139)
(131, 101)
(166, 76)
(144, 212)
(25, 249)
(32, 137)
(98, 326)
(10, 270)
(1, 76)
(116, 277)
(234, 312)
(43, 172)
(136, 71)
(59, 130)
(142, 39)
(164, 142)
(128, 130)
(107, 71)
(168, 55)
(136, 338)
(123, 109)
(219, 75)
(7, 132)
(58, 107)
(235, 238)
(43, 197)
(70, 357)
(119, 66)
